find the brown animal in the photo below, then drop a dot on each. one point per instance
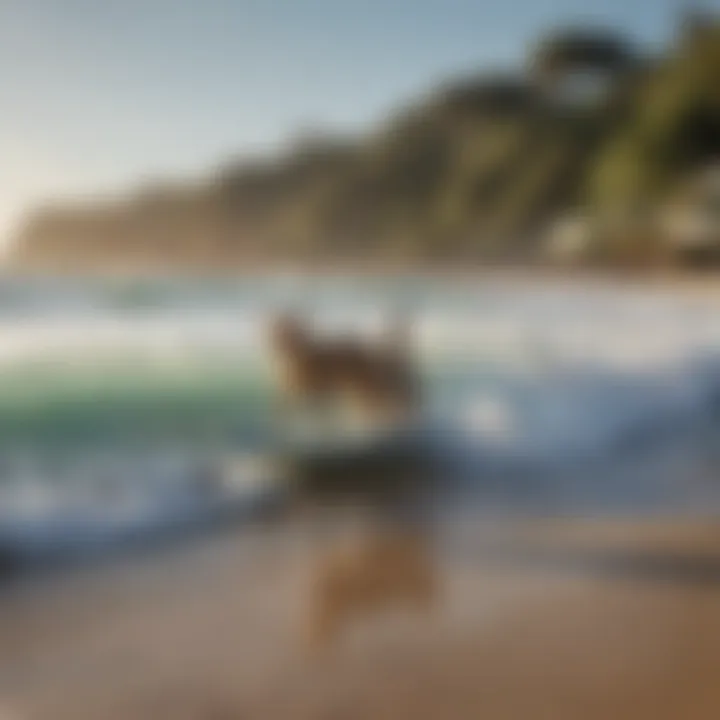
(392, 569)
(379, 381)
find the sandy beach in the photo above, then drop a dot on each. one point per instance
(553, 619)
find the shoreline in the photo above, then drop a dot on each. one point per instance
(510, 274)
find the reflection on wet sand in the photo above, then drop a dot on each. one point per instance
(378, 561)
(386, 569)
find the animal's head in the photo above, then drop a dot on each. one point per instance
(287, 335)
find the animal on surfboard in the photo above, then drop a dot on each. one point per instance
(378, 379)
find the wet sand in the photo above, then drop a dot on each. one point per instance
(551, 619)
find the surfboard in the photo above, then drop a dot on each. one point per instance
(311, 440)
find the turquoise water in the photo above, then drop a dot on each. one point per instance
(133, 406)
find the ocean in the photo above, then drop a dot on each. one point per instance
(132, 406)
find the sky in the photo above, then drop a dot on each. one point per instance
(100, 96)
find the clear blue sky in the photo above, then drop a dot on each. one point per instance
(97, 95)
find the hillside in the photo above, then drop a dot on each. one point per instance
(475, 170)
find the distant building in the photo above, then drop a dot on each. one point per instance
(690, 222)
(570, 239)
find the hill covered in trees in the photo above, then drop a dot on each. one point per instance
(475, 170)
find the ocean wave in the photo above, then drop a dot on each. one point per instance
(112, 406)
